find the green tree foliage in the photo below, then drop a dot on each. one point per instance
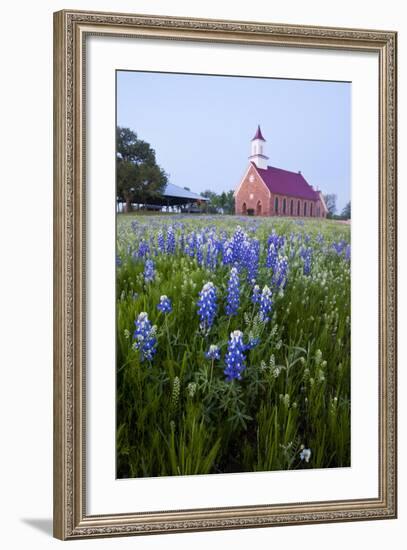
(139, 178)
(222, 203)
(330, 201)
(346, 212)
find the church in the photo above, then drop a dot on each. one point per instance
(268, 191)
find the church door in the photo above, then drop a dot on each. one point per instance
(258, 209)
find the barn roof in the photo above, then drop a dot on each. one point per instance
(172, 190)
(284, 182)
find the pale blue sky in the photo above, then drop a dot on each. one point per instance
(200, 126)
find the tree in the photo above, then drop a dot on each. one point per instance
(346, 211)
(225, 202)
(229, 202)
(139, 178)
(330, 201)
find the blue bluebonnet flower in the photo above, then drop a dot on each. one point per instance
(305, 454)
(280, 272)
(266, 304)
(211, 255)
(347, 253)
(149, 272)
(213, 352)
(256, 294)
(144, 337)
(235, 359)
(165, 304)
(143, 249)
(306, 255)
(233, 296)
(237, 244)
(161, 241)
(207, 306)
(272, 256)
(252, 343)
(227, 256)
(118, 261)
(339, 247)
(199, 254)
(170, 240)
(251, 258)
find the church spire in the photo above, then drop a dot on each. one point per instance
(257, 155)
(258, 134)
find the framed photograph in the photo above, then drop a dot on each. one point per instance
(225, 274)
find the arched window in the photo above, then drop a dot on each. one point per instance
(258, 208)
(284, 205)
(318, 211)
(305, 208)
(298, 208)
(276, 205)
(244, 209)
(291, 207)
(310, 210)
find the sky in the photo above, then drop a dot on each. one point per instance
(200, 127)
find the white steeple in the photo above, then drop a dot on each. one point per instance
(257, 153)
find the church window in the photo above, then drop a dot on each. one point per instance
(276, 205)
(298, 208)
(305, 208)
(291, 207)
(284, 205)
(310, 210)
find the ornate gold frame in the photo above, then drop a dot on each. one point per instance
(70, 31)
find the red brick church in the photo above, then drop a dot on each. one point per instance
(269, 191)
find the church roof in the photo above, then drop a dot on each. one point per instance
(283, 182)
(258, 134)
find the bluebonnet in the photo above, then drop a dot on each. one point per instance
(305, 454)
(211, 255)
(144, 337)
(213, 352)
(306, 255)
(143, 249)
(339, 247)
(118, 261)
(251, 258)
(165, 304)
(256, 294)
(190, 245)
(233, 297)
(149, 272)
(279, 278)
(227, 257)
(252, 343)
(237, 244)
(161, 241)
(347, 253)
(272, 256)
(266, 304)
(235, 359)
(199, 254)
(207, 306)
(170, 240)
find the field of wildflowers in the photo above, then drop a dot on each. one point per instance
(233, 344)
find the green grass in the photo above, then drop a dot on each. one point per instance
(177, 415)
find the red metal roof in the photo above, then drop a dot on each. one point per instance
(287, 183)
(258, 134)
